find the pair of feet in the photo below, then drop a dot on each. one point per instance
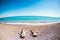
(23, 33)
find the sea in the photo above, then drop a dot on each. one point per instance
(24, 19)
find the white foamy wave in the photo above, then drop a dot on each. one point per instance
(31, 23)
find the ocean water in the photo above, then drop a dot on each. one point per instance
(18, 19)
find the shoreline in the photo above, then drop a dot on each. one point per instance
(31, 23)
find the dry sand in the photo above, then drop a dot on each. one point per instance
(45, 32)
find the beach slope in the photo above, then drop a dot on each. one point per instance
(45, 32)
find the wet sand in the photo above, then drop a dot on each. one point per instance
(45, 32)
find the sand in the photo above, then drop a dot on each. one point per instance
(45, 32)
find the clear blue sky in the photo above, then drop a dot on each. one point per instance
(30, 8)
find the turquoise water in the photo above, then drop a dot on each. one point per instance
(30, 19)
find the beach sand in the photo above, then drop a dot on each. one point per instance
(45, 32)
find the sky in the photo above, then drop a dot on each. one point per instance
(11, 8)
